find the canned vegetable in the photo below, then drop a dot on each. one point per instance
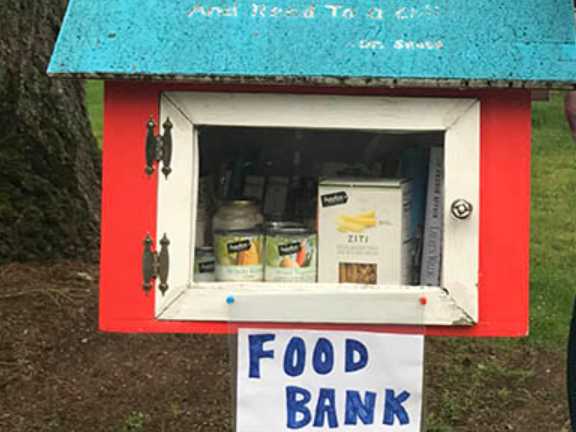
(290, 254)
(204, 264)
(238, 255)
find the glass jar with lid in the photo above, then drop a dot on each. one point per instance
(237, 215)
(238, 241)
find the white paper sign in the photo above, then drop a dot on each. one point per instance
(314, 381)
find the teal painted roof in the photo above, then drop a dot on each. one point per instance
(463, 42)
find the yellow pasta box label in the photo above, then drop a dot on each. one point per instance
(363, 231)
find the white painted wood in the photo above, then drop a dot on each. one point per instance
(175, 197)
(459, 118)
(324, 112)
(321, 303)
(461, 237)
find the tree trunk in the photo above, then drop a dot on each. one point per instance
(49, 160)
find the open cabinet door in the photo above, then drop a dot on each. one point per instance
(175, 212)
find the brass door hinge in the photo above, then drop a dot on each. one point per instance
(155, 264)
(159, 148)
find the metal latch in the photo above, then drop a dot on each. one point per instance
(159, 148)
(155, 264)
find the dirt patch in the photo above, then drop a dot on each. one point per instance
(58, 373)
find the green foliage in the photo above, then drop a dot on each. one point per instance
(94, 105)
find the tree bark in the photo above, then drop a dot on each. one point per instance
(49, 159)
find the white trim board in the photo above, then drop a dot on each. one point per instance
(454, 304)
(325, 303)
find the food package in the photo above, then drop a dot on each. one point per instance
(275, 197)
(254, 187)
(203, 211)
(364, 231)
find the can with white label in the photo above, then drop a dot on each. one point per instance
(290, 254)
(204, 264)
(239, 255)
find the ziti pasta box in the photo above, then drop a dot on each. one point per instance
(364, 231)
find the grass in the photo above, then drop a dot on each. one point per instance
(94, 105)
(553, 241)
(134, 422)
(553, 236)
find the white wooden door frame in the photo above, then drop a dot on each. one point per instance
(454, 303)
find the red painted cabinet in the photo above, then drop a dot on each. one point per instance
(485, 142)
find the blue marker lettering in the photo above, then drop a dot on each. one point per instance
(296, 400)
(257, 352)
(323, 359)
(358, 409)
(326, 408)
(393, 408)
(352, 347)
(294, 357)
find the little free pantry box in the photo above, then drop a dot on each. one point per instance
(204, 99)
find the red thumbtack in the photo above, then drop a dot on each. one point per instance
(423, 301)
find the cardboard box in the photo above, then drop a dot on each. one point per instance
(364, 231)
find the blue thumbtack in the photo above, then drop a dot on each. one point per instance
(230, 300)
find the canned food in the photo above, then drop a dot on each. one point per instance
(238, 255)
(290, 254)
(204, 264)
(238, 242)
